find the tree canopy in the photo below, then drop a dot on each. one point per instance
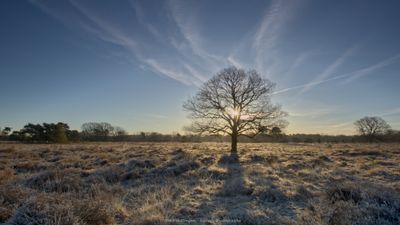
(235, 102)
(372, 127)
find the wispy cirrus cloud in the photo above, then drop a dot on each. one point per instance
(331, 69)
(297, 62)
(169, 72)
(270, 29)
(131, 47)
(315, 113)
(391, 112)
(367, 70)
(187, 27)
(234, 62)
(310, 84)
(351, 76)
(267, 33)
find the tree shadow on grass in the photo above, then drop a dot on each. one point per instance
(229, 205)
(240, 201)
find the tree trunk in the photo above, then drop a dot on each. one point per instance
(234, 143)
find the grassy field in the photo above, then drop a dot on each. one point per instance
(200, 183)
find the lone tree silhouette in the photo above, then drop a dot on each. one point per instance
(371, 127)
(234, 102)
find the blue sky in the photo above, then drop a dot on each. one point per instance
(133, 63)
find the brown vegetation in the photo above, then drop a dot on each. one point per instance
(200, 183)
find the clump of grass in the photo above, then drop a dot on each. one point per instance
(10, 198)
(212, 173)
(176, 168)
(270, 159)
(94, 211)
(44, 209)
(181, 163)
(152, 204)
(236, 186)
(272, 194)
(353, 203)
(228, 159)
(344, 193)
(30, 166)
(372, 153)
(302, 194)
(110, 174)
(56, 181)
(134, 164)
(208, 160)
(7, 175)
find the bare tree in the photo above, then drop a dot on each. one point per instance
(97, 131)
(371, 127)
(234, 102)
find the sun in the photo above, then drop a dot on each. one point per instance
(233, 112)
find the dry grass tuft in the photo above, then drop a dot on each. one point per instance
(7, 175)
(354, 204)
(56, 181)
(54, 210)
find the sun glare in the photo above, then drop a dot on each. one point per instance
(234, 113)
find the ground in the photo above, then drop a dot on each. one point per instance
(199, 183)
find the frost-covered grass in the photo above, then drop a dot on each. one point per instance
(199, 183)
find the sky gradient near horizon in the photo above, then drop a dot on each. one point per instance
(133, 63)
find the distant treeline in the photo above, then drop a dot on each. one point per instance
(94, 131)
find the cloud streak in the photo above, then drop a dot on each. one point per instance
(188, 30)
(310, 84)
(365, 71)
(329, 70)
(352, 76)
(391, 112)
(134, 49)
(269, 31)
